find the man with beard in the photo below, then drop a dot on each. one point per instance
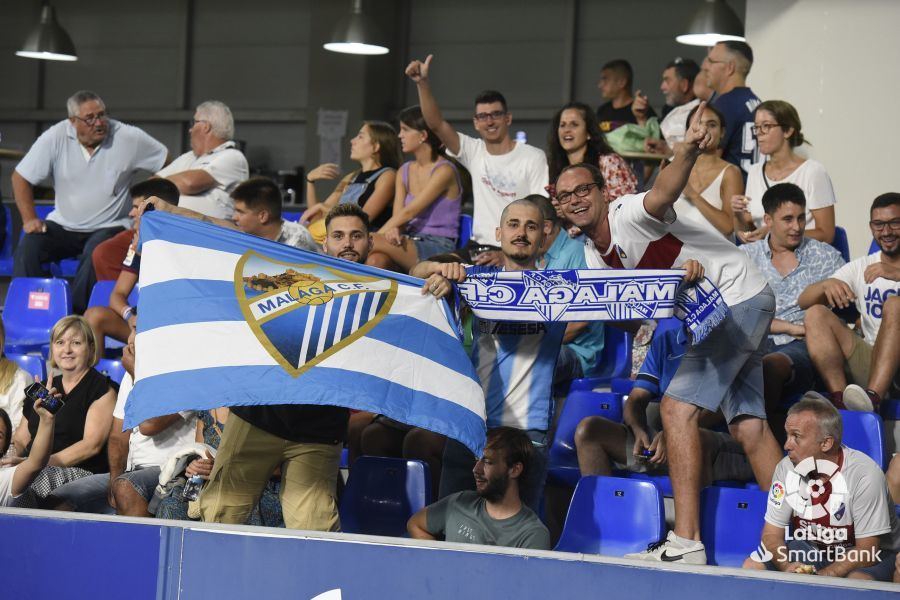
(790, 262)
(305, 440)
(493, 514)
(872, 283)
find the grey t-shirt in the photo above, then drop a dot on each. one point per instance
(463, 517)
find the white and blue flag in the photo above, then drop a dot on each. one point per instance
(230, 319)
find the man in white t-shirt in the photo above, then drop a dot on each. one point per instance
(831, 501)
(872, 284)
(502, 170)
(725, 370)
(678, 88)
(15, 479)
(135, 457)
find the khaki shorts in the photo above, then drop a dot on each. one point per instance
(859, 364)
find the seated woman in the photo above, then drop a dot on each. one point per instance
(82, 424)
(209, 431)
(426, 203)
(13, 381)
(376, 150)
(712, 180)
(777, 131)
(15, 478)
(575, 137)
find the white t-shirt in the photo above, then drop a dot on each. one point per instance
(641, 241)
(866, 510)
(6, 478)
(674, 125)
(498, 179)
(154, 451)
(226, 164)
(809, 177)
(13, 401)
(870, 297)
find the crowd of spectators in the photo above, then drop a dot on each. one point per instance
(729, 197)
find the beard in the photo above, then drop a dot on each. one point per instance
(494, 489)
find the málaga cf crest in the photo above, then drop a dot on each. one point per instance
(303, 313)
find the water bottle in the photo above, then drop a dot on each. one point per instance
(192, 488)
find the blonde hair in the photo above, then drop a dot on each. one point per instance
(81, 325)
(8, 368)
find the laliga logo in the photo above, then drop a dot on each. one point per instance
(802, 489)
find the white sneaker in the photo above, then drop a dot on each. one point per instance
(672, 550)
(856, 398)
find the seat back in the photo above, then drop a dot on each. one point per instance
(731, 522)
(840, 242)
(613, 516)
(873, 247)
(6, 253)
(864, 431)
(465, 230)
(563, 459)
(31, 363)
(33, 305)
(290, 215)
(112, 368)
(102, 290)
(382, 494)
(613, 362)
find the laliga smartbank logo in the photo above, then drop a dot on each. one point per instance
(816, 492)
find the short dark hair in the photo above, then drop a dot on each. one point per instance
(515, 446)
(260, 193)
(885, 200)
(779, 194)
(546, 207)
(621, 67)
(9, 431)
(489, 97)
(596, 174)
(685, 68)
(742, 49)
(348, 209)
(161, 188)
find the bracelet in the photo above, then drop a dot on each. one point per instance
(126, 314)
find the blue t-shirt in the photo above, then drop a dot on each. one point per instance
(739, 144)
(568, 253)
(663, 357)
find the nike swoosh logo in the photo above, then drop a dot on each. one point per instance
(666, 558)
(670, 357)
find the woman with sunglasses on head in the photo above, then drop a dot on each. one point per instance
(427, 200)
(777, 131)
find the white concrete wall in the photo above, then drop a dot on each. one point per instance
(838, 62)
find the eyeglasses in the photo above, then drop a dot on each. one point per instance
(763, 128)
(491, 116)
(91, 119)
(894, 224)
(195, 121)
(581, 191)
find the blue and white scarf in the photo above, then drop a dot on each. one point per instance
(593, 295)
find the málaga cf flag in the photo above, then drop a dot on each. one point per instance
(228, 319)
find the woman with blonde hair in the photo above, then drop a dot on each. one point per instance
(377, 150)
(13, 381)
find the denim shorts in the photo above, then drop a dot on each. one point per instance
(803, 377)
(725, 370)
(428, 245)
(143, 480)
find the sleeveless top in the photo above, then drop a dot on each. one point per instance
(442, 216)
(712, 194)
(360, 190)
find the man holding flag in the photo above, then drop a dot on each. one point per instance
(724, 369)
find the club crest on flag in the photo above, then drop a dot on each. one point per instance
(303, 313)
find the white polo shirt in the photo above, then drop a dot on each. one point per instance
(226, 164)
(91, 190)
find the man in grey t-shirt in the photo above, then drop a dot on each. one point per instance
(493, 514)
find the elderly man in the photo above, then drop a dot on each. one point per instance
(205, 176)
(833, 502)
(90, 160)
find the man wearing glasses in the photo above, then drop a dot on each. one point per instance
(872, 284)
(90, 161)
(726, 68)
(502, 170)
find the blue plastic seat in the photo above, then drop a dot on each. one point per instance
(31, 363)
(100, 297)
(840, 242)
(33, 306)
(613, 516)
(111, 368)
(291, 215)
(873, 247)
(731, 522)
(6, 253)
(662, 481)
(614, 361)
(382, 494)
(864, 431)
(465, 230)
(562, 466)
